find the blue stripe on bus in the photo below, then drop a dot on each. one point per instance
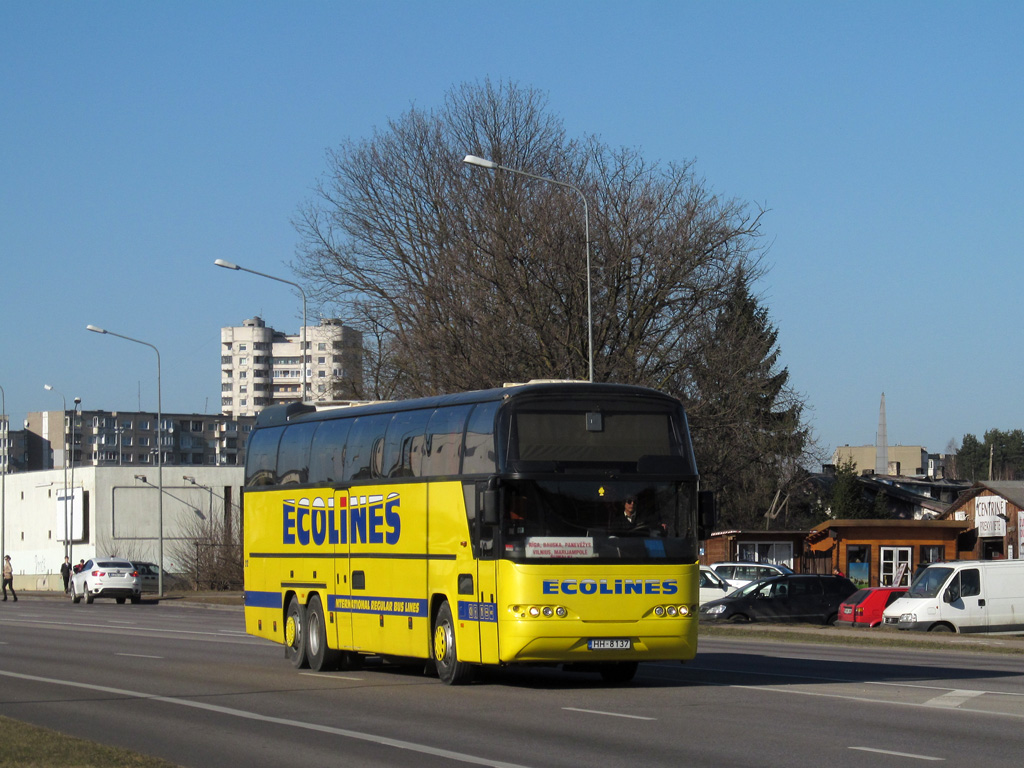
(262, 599)
(389, 606)
(469, 611)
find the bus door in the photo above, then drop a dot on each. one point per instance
(486, 586)
(341, 593)
(388, 569)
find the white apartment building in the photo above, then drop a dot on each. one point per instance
(261, 366)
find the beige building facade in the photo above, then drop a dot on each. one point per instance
(903, 459)
(261, 366)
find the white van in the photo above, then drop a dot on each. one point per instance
(963, 596)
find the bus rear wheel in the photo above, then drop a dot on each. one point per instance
(295, 634)
(443, 650)
(321, 658)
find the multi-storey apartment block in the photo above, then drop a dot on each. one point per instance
(119, 438)
(261, 366)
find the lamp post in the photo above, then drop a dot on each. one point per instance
(5, 435)
(64, 434)
(230, 265)
(74, 418)
(159, 450)
(491, 165)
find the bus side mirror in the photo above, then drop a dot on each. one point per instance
(490, 511)
(706, 516)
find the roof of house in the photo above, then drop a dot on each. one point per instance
(1011, 490)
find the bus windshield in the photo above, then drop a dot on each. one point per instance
(586, 519)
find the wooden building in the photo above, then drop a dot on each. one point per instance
(874, 553)
(992, 513)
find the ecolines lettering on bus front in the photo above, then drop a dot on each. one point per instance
(362, 520)
(606, 587)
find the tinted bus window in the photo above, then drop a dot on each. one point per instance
(261, 456)
(623, 437)
(365, 447)
(403, 446)
(479, 456)
(327, 455)
(444, 440)
(293, 453)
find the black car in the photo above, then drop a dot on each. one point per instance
(793, 597)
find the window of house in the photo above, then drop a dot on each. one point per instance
(858, 564)
(895, 566)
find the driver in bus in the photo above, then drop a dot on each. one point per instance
(632, 522)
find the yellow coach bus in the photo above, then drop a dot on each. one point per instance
(540, 523)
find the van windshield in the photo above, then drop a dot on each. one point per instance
(929, 582)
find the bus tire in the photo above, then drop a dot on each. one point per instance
(443, 650)
(295, 634)
(321, 658)
(618, 671)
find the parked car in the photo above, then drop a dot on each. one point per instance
(712, 586)
(864, 607)
(739, 574)
(150, 573)
(106, 577)
(791, 597)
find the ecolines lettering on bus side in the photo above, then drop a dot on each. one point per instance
(357, 520)
(606, 587)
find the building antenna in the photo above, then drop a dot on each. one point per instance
(881, 443)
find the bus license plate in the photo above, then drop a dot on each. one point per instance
(609, 644)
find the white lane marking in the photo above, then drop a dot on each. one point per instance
(953, 698)
(79, 625)
(385, 741)
(139, 655)
(898, 754)
(608, 714)
(330, 677)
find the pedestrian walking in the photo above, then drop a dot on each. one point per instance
(9, 578)
(65, 572)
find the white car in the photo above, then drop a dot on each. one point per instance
(712, 586)
(739, 574)
(106, 577)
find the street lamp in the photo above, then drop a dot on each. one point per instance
(3, 470)
(230, 265)
(159, 449)
(493, 166)
(64, 434)
(74, 418)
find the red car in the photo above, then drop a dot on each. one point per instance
(864, 607)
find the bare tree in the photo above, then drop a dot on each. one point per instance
(468, 278)
(208, 552)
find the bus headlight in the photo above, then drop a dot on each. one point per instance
(560, 612)
(548, 611)
(659, 610)
(534, 611)
(672, 610)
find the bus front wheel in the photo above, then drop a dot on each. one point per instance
(321, 658)
(295, 634)
(445, 655)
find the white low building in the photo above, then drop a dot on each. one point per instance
(115, 511)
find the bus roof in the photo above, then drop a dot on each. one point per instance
(277, 415)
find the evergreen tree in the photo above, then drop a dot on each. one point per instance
(748, 433)
(848, 493)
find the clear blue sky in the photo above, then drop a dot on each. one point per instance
(141, 141)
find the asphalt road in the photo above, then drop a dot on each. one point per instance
(186, 684)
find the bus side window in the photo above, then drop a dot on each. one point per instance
(293, 453)
(444, 441)
(479, 456)
(261, 457)
(327, 455)
(362, 438)
(403, 447)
